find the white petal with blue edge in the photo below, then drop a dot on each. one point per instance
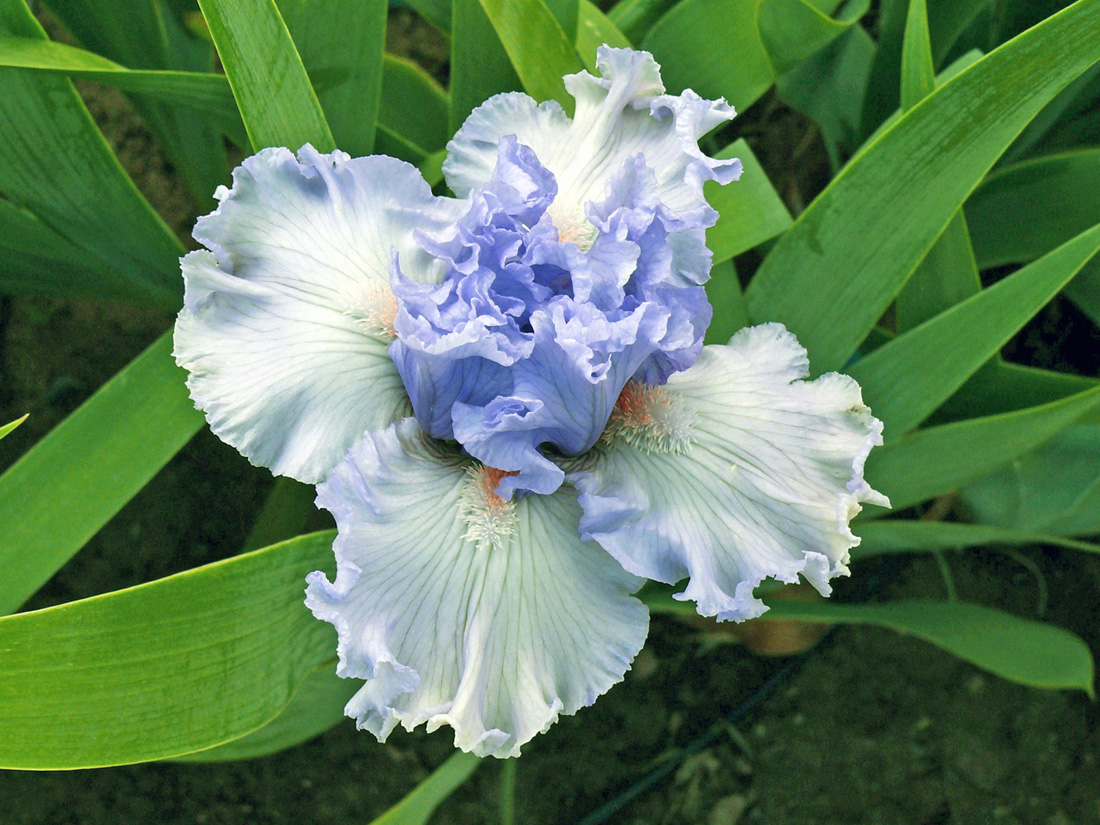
(288, 316)
(619, 115)
(460, 608)
(735, 471)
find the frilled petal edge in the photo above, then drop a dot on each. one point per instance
(620, 114)
(288, 316)
(459, 608)
(737, 470)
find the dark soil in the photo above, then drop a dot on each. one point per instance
(868, 728)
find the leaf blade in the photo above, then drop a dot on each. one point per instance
(265, 72)
(340, 43)
(1020, 650)
(162, 669)
(897, 382)
(418, 806)
(539, 50)
(750, 211)
(123, 435)
(847, 244)
(11, 425)
(932, 461)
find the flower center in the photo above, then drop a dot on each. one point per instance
(573, 227)
(650, 418)
(373, 307)
(488, 517)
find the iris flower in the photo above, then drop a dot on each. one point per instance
(506, 404)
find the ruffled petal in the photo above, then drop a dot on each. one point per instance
(455, 338)
(735, 471)
(459, 608)
(620, 114)
(288, 316)
(562, 395)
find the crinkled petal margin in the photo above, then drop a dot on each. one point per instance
(763, 482)
(622, 113)
(283, 330)
(495, 637)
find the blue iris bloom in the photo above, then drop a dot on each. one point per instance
(506, 403)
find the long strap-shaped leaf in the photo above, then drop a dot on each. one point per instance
(1021, 211)
(480, 67)
(905, 380)
(850, 250)
(908, 536)
(1001, 387)
(317, 705)
(35, 259)
(933, 461)
(737, 50)
(277, 102)
(418, 807)
(948, 274)
(540, 51)
(750, 211)
(11, 425)
(206, 93)
(1032, 653)
(413, 105)
(55, 164)
(143, 34)
(74, 480)
(595, 29)
(341, 44)
(163, 669)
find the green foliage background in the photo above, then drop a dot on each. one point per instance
(963, 140)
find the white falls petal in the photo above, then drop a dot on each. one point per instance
(459, 608)
(288, 316)
(735, 471)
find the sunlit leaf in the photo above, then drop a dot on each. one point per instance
(594, 29)
(269, 82)
(316, 706)
(7, 428)
(162, 669)
(849, 246)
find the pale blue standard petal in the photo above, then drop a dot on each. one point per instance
(529, 339)
(735, 471)
(459, 608)
(562, 395)
(289, 315)
(455, 338)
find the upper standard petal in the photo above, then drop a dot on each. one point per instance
(622, 113)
